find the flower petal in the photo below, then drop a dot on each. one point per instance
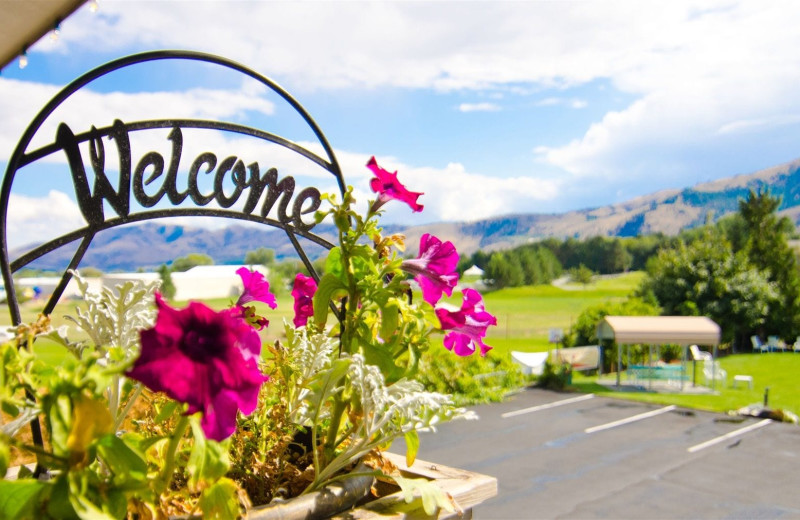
(303, 293)
(204, 358)
(256, 288)
(388, 187)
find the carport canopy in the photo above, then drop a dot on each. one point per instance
(659, 330)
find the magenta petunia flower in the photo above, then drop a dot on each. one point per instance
(256, 288)
(435, 268)
(467, 326)
(204, 358)
(303, 293)
(387, 187)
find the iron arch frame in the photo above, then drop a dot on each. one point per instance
(21, 157)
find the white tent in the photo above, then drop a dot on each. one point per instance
(474, 271)
(659, 330)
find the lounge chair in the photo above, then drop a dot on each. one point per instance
(758, 346)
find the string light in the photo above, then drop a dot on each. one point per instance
(56, 32)
(23, 59)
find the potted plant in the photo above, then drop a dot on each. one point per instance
(172, 412)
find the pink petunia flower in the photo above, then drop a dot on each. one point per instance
(256, 288)
(303, 293)
(387, 187)
(467, 326)
(204, 358)
(435, 268)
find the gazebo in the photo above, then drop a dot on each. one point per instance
(660, 330)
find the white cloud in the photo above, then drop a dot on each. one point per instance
(478, 107)
(454, 194)
(22, 100)
(555, 101)
(697, 70)
(33, 219)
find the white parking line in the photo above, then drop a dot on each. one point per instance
(634, 418)
(721, 438)
(548, 405)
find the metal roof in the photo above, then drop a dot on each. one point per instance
(659, 330)
(24, 22)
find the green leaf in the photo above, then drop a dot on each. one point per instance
(208, 460)
(432, 496)
(333, 264)
(166, 412)
(60, 424)
(80, 497)
(19, 498)
(390, 314)
(59, 505)
(383, 358)
(412, 446)
(220, 501)
(5, 457)
(127, 465)
(329, 288)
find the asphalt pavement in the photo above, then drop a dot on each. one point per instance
(574, 456)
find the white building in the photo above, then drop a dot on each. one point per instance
(198, 283)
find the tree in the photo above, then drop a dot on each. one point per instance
(503, 271)
(766, 244)
(706, 278)
(584, 330)
(261, 256)
(581, 274)
(167, 288)
(90, 272)
(185, 263)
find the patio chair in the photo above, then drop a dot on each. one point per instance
(758, 346)
(699, 355)
(774, 344)
(712, 371)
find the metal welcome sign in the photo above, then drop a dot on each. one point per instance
(114, 186)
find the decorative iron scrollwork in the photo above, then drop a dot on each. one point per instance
(150, 169)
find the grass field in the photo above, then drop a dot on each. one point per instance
(776, 372)
(525, 316)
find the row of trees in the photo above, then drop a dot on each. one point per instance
(526, 265)
(548, 259)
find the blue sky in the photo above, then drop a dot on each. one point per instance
(489, 108)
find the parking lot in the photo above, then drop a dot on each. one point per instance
(579, 456)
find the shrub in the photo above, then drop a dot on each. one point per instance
(473, 379)
(555, 376)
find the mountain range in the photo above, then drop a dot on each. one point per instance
(669, 211)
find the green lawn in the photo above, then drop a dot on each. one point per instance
(778, 372)
(526, 314)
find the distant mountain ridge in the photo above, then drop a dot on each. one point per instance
(669, 211)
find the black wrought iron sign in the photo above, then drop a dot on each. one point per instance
(113, 186)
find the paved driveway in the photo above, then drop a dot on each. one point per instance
(574, 456)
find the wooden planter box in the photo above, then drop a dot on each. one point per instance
(467, 488)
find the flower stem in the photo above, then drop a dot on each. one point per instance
(165, 477)
(329, 448)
